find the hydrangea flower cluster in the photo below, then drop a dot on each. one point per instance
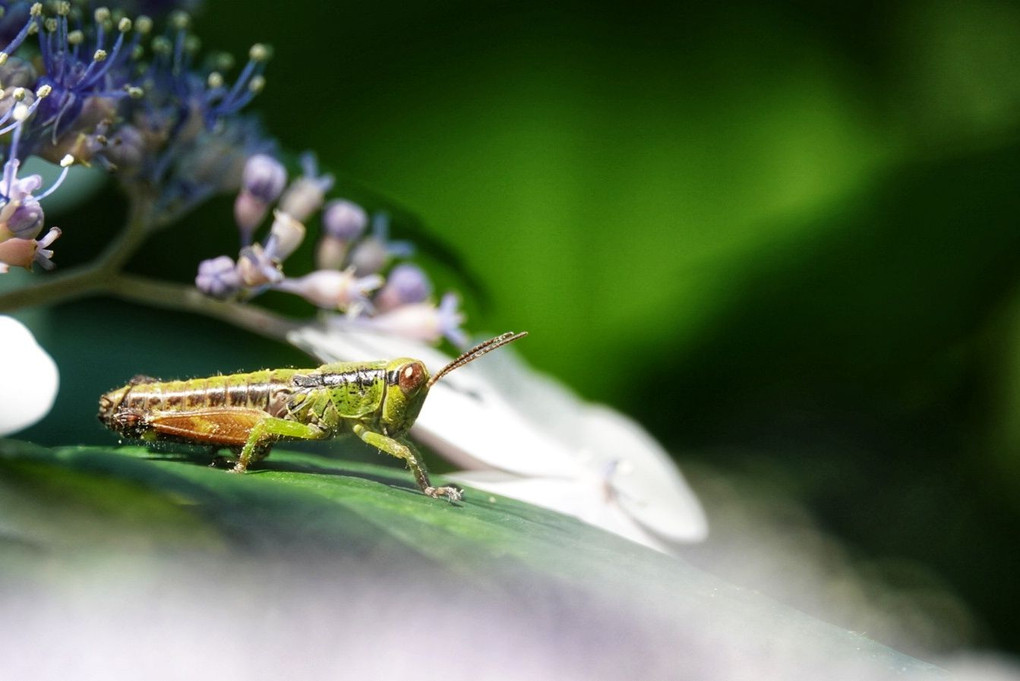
(360, 271)
(96, 87)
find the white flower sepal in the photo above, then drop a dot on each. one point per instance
(28, 378)
(523, 435)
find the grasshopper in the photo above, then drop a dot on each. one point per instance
(248, 413)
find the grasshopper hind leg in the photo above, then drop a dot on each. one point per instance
(246, 455)
(231, 458)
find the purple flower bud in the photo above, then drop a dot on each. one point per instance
(264, 178)
(306, 194)
(262, 183)
(405, 285)
(218, 277)
(249, 211)
(25, 219)
(344, 220)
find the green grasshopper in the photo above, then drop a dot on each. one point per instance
(248, 413)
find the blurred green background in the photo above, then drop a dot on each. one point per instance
(782, 236)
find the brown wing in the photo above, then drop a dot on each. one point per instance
(225, 427)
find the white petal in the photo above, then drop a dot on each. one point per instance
(648, 484)
(609, 444)
(28, 378)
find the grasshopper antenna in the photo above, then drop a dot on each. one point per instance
(476, 352)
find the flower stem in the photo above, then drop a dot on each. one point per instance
(91, 279)
(63, 286)
(189, 299)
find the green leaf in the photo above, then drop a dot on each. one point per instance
(506, 579)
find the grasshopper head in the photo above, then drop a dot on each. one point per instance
(408, 382)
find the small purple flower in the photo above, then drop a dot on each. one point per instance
(406, 284)
(262, 182)
(218, 277)
(17, 252)
(21, 215)
(264, 178)
(344, 220)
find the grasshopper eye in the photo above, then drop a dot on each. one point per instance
(412, 377)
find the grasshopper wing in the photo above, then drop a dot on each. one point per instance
(226, 427)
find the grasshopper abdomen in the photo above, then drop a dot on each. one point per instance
(139, 406)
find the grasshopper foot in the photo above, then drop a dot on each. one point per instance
(451, 493)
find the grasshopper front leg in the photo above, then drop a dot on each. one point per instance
(266, 432)
(402, 449)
